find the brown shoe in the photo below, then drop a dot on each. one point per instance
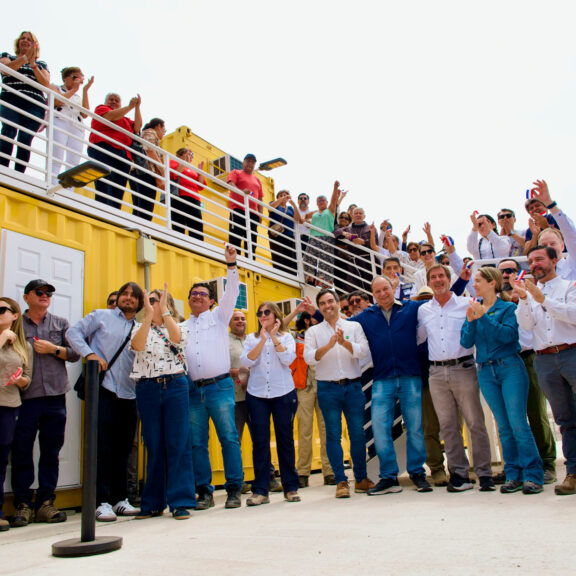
(292, 497)
(363, 486)
(48, 513)
(439, 478)
(257, 500)
(4, 525)
(343, 489)
(23, 516)
(567, 487)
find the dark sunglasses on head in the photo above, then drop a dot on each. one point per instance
(41, 293)
(502, 216)
(4, 309)
(508, 270)
(424, 252)
(261, 313)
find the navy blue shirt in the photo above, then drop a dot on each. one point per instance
(286, 220)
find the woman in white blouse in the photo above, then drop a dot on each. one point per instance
(162, 398)
(268, 353)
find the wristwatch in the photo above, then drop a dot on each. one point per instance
(57, 351)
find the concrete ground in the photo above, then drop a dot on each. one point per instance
(407, 533)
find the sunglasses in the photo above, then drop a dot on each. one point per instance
(355, 301)
(111, 302)
(413, 249)
(345, 308)
(261, 313)
(153, 301)
(41, 293)
(509, 270)
(424, 252)
(199, 294)
(502, 216)
(4, 309)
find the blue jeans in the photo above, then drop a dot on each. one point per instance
(215, 401)
(557, 378)
(408, 390)
(163, 408)
(117, 160)
(44, 417)
(283, 410)
(334, 400)
(24, 138)
(505, 385)
(8, 417)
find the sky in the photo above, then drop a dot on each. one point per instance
(424, 111)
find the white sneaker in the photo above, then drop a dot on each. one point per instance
(105, 513)
(124, 508)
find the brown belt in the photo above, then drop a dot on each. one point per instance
(556, 349)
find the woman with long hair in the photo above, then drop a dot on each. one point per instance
(268, 353)
(15, 375)
(492, 327)
(162, 398)
(21, 119)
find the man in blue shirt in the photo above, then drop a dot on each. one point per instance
(390, 326)
(99, 336)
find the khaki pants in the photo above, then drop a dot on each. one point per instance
(307, 404)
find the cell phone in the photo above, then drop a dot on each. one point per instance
(15, 376)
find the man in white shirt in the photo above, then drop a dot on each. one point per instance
(516, 238)
(548, 309)
(454, 382)
(490, 245)
(334, 347)
(212, 396)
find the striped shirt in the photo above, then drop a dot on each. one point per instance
(20, 85)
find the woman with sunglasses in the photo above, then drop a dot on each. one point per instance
(268, 353)
(162, 397)
(492, 327)
(15, 375)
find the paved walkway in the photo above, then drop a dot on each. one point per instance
(407, 533)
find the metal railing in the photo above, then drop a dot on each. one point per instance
(152, 200)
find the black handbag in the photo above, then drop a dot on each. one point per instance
(80, 386)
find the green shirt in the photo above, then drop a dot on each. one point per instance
(324, 220)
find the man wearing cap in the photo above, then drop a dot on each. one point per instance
(43, 410)
(250, 185)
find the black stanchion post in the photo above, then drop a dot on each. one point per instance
(88, 544)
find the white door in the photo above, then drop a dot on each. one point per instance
(24, 258)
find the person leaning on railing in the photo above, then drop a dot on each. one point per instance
(143, 201)
(68, 128)
(111, 151)
(15, 123)
(281, 232)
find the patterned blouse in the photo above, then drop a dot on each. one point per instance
(157, 359)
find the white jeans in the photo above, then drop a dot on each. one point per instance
(62, 141)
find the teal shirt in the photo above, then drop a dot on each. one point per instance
(324, 220)
(495, 334)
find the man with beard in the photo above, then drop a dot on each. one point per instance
(536, 409)
(103, 336)
(548, 309)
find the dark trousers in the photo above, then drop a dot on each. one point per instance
(242, 419)
(116, 428)
(283, 410)
(45, 417)
(239, 232)
(144, 207)
(360, 266)
(283, 252)
(186, 212)
(8, 418)
(23, 138)
(114, 158)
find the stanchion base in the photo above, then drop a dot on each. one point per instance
(74, 547)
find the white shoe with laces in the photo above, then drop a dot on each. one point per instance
(124, 508)
(105, 513)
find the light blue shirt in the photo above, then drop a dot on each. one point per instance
(102, 332)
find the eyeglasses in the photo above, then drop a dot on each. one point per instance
(4, 309)
(508, 270)
(261, 313)
(41, 293)
(355, 301)
(424, 252)
(196, 294)
(413, 249)
(303, 198)
(153, 301)
(502, 216)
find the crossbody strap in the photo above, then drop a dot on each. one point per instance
(173, 348)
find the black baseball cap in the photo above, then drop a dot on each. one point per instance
(250, 157)
(39, 283)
